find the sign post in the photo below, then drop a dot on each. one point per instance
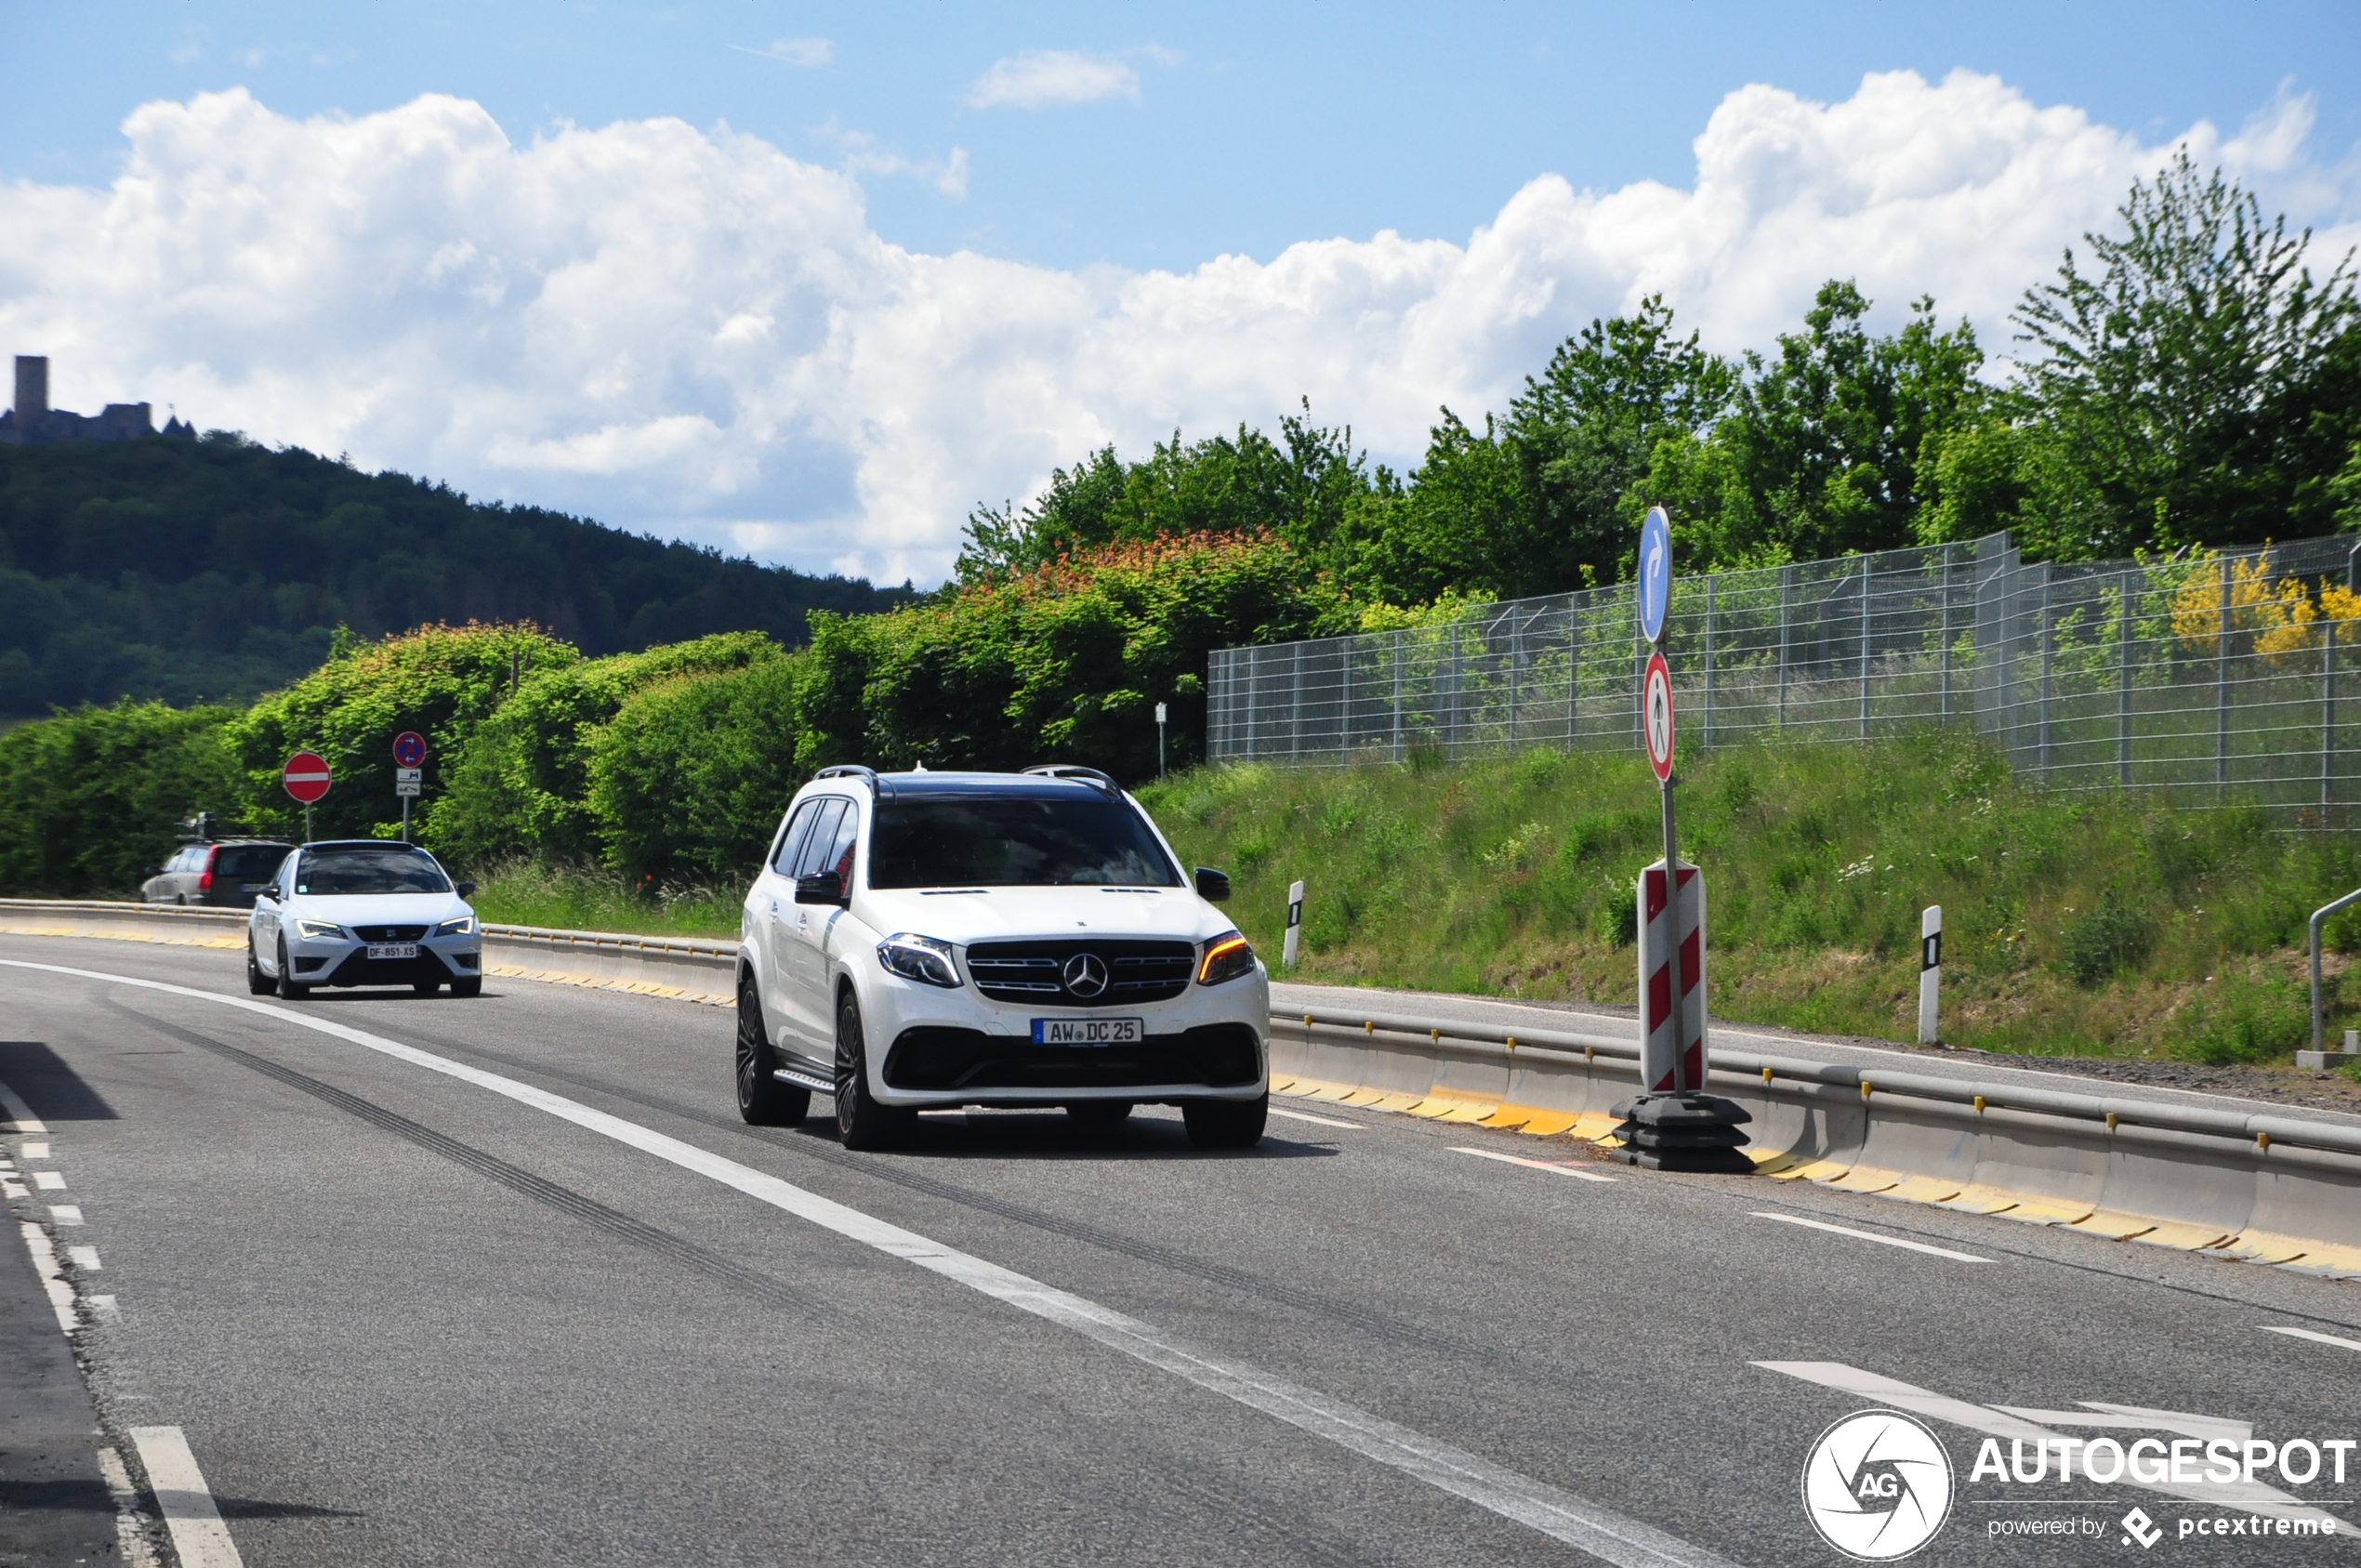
(1159, 740)
(306, 777)
(1673, 1124)
(409, 759)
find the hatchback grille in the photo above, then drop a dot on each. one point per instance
(389, 934)
(1136, 971)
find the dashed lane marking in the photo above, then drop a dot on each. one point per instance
(1586, 1526)
(53, 1279)
(2314, 1334)
(1316, 1121)
(84, 1257)
(50, 1181)
(65, 1213)
(199, 1536)
(1871, 1236)
(1555, 1167)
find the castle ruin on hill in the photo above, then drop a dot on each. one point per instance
(33, 422)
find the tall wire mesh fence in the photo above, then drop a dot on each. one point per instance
(2224, 677)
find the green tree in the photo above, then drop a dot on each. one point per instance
(88, 799)
(2201, 388)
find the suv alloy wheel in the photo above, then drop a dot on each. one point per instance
(763, 1101)
(861, 1122)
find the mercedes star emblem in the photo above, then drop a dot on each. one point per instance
(1086, 974)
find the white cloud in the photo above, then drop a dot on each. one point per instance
(794, 51)
(691, 332)
(1044, 78)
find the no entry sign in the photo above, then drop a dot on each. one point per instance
(1656, 710)
(306, 776)
(409, 750)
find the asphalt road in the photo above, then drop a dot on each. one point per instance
(506, 1281)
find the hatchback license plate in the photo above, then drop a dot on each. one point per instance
(393, 950)
(1086, 1032)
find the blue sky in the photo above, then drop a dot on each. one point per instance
(1253, 125)
(810, 282)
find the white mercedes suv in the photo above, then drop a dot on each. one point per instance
(921, 939)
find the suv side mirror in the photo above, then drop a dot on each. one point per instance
(465, 889)
(1213, 886)
(821, 886)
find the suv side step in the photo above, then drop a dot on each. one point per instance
(803, 1080)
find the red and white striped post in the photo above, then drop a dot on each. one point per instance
(1671, 1050)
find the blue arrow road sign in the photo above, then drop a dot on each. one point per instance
(1655, 573)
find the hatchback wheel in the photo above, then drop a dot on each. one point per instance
(289, 990)
(763, 1101)
(257, 983)
(861, 1122)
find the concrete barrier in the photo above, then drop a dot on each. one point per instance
(2265, 1187)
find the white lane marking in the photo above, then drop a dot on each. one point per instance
(1316, 1121)
(50, 1181)
(104, 1309)
(2314, 1334)
(21, 1119)
(1871, 1236)
(1626, 1542)
(13, 1190)
(199, 1536)
(36, 1151)
(53, 1279)
(1550, 1165)
(83, 1257)
(129, 1535)
(1855, 1383)
(65, 1213)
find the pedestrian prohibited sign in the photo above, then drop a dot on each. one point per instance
(306, 776)
(409, 750)
(1656, 713)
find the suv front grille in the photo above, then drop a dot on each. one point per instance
(389, 934)
(1136, 971)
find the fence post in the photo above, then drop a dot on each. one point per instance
(1295, 709)
(2046, 643)
(1787, 580)
(1451, 723)
(2221, 686)
(2328, 721)
(1516, 658)
(1943, 659)
(1574, 678)
(1397, 694)
(1865, 648)
(1254, 680)
(1709, 659)
(1344, 699)
(2123, 684)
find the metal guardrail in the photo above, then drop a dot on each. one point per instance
(2220, 676)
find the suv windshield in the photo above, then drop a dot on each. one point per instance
(1015, 843)
(325, 873)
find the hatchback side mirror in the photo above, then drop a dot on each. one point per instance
(1213, 886)
(465, 889)
(821, 886)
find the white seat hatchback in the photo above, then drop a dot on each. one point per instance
(364, 911)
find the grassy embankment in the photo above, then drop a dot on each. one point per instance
(2077, 925)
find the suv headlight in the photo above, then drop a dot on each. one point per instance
(923, 959)
(1226, 957)
(464, 925)
(320, 931)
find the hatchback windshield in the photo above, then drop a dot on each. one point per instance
(248, 863)
(326, 872)
(1015, 844)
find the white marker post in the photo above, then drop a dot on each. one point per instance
(1931, 975)
(1294, 925)
(1159, 740)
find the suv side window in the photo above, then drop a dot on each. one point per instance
(838, 856)
(814, 855)
(791, 841)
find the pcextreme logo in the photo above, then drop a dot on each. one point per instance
(1876, 1486)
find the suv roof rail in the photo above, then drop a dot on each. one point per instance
(1073, 770)
(848, 770)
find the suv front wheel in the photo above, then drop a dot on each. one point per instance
(861, 1122)
(1226, 1124)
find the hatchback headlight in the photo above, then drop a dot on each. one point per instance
(1226, 957)
(463, 926)
(319, 930)
(923, 959)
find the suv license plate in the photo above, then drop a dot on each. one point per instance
(1086, 1032)
(393, 950)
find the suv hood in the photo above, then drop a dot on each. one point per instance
(996, 913)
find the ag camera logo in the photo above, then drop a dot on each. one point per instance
(1876, 1486)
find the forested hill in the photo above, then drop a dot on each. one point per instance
(218, 569)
